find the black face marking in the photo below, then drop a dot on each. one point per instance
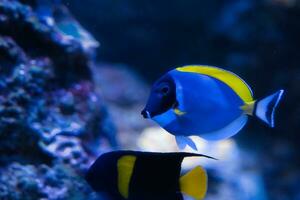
(162, 97)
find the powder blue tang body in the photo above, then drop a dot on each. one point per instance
(208, 109)
(210, 102)
(209, 105)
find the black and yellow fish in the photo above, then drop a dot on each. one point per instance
(146, 176)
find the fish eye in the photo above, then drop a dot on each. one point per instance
(162, 89)
(165, 89)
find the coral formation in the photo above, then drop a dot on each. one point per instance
(28, 182)
(51, 116)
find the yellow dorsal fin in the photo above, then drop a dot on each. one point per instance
(194, 183)
(232, 80)
(125, 169)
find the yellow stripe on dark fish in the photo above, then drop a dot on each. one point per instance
(232, 80)
(125, 170)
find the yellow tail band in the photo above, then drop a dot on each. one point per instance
(194, 183)
(249, 107)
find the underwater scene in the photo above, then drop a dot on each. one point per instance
(149, 100)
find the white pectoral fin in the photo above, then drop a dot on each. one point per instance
(183, 141)
(228, 131)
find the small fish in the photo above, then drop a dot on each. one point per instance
(205, 101)
(137, 175)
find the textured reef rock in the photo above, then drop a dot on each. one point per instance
(52, 121)
(30, 182)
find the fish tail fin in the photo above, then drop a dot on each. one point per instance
(264, 109)
(194, 183)
(183, 141)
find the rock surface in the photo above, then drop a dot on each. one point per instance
(52, 120)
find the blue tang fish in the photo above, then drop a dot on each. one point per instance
(205, 101)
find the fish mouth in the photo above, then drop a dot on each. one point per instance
(146, 114)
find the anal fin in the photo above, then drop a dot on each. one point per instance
(183, 141)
